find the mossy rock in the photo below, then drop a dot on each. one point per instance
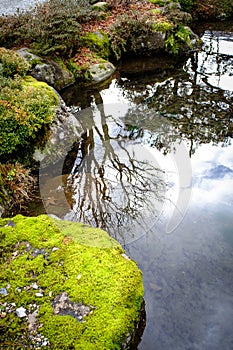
(54, 73)
(26, 106)
(97, 42)
(65, 285)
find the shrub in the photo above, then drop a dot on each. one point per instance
(186, 5)
(126, 32)
(11, 63)
(25, 104)
(178, 37)
(23, 112)
(52, 28)
(16, 186)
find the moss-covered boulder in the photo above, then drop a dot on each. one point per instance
(65, 286)
(98, 42)
(26, 105)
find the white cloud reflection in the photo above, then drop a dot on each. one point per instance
(212, 175)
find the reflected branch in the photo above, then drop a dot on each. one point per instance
(111, 186)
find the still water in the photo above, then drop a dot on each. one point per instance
(154, 168)
(10, 7)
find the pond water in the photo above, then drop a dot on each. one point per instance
(154, 168)
(9, 7)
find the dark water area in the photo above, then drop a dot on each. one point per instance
(154, 168)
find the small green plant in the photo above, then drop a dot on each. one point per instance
(186, 5)
(177, 38)
(80, 72)
(35, 61)
(157, 2)
(162, 26)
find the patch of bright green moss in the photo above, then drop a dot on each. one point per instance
(85, 263)
(162, 26)
(97, 42)
(43, 88)
(162, 2)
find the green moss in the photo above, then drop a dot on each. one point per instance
(80, 73)
(155, 11)
(77, 259)
(35, 61)
(162, 26)
(11, 63)
(26, 105)
(97, 42)
(162, 2)
(43, 87)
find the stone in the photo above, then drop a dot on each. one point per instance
(32, 320)
(100, 6)
(21, 312)
(151, 43)
(3, 292)
(47, 71)
(110, 290)
(35, 286)
(57, 148)
(62, 305)
(101, 71)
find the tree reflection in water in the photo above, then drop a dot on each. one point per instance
(115, 182)
(194, 100)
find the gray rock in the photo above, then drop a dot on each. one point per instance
(62, 305)
(48, 71)
(3, 291)
(100, 6)
(21, 312)
(101, 71)
(56, 147)
(10, 223)
(32, 320)
(152, 42)
(35, 286)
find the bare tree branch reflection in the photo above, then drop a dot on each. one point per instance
(114, 184)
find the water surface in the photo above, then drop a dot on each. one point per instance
(10, 7)
(154, 168)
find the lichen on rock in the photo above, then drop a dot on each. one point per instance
(101, 71)
(55, 272)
